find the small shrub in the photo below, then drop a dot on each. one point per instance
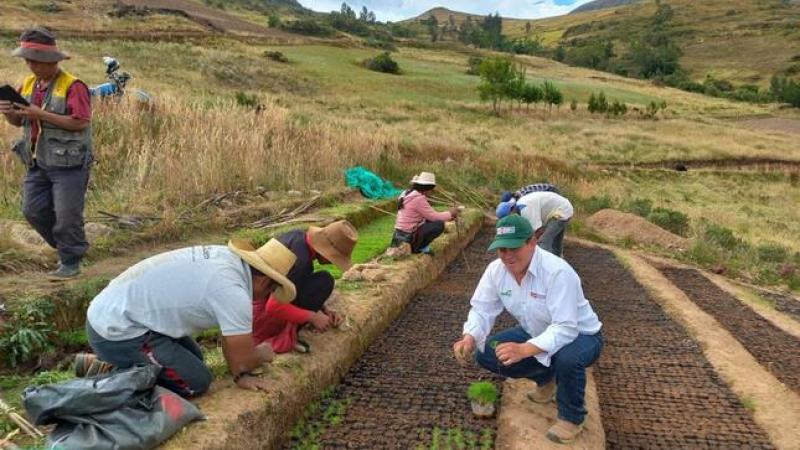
(382, 63)
(598, 103)
(704, 254)
(276, 56)
(473, 65)
(639, 206)
(482, 392)
(787, 270)
(618, 108)
(768, 275)
(772, 253)
(596, 203)
(26, 335)
(274, 20)
(244, 99)
(793, 283)
(308, 27)
(721, 236)
(653, 108)
(552, 94)
(668, 219)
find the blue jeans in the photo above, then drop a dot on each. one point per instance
(181, 360)
(568, 366)
(52, 202)
(552, 239)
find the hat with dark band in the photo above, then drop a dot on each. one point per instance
(39, 44)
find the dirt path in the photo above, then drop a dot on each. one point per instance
(775, 349)
(656, 388)
(774, 124)
(407, 385)
(36, 282)
(722, 164)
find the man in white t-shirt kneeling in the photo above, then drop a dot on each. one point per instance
(150, 313)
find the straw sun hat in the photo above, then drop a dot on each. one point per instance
(335, 242)
(425, 179)
(272, 259)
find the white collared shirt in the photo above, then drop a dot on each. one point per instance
(548, 304)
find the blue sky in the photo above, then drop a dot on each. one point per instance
(396, 10)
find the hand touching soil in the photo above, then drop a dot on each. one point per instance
(253, 383)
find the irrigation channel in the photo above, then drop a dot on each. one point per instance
(656, 388)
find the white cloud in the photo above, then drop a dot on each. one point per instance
(396, 10)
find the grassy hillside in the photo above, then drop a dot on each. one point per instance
(745, 41)
(323, 112)
(146, 19)
(601, 4)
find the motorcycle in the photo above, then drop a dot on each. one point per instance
(115, 87)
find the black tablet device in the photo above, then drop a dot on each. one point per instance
(9, 93)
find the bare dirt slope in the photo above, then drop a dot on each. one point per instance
(207, 16)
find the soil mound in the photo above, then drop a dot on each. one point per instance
(618, 225)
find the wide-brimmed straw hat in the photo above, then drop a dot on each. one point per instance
(334, 242)
(39, 44)
(272, 259)
(425, 179)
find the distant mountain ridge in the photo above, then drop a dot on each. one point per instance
(601, 4)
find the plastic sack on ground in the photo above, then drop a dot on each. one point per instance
(371, 186)
(122, 410)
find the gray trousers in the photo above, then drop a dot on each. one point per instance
(52, 202)
(552, 239)
(181, 360)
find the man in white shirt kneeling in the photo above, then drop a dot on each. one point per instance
(558, 335)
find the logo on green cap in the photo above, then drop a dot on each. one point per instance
(512, 232)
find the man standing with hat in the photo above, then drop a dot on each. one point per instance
(56, 148)
(558, 335)
(418, 224)
(150, 313)
(275, 322)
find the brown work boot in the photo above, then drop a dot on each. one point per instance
(564, 432)
(543, 394)
(87, 365)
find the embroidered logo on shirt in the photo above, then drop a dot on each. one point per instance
(505, 293)
(506, 230)
(536, 295)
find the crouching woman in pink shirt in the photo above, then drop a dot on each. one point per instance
(418, 224)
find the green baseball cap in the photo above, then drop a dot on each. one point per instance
(512, 232)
